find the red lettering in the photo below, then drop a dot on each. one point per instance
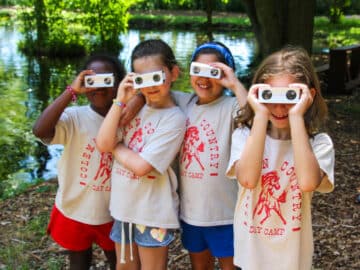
(214, 156)
(284, 165)
(210, 132)
(296, 206)
(265, 163)
(212, 140)
(297, 196)
(85, 162)
(290, 171)
(85, 155)
(90, 148)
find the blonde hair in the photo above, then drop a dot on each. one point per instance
(296, 62)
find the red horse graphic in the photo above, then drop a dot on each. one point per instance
(268, 200)
(104, 169)
(192, 147)
(136, 139)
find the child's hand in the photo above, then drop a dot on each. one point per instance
(228, 78)
(126, 89)
(253, 100)
(78, 84)
(306, 99)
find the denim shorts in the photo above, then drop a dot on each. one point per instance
(142, 235)
(218, 239)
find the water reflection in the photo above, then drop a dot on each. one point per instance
(27, 86)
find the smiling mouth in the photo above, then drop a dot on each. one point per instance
(280, 117)
(203, 86)
(152, 92)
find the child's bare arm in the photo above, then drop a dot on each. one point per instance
(230, 81)
(106, 138)
(44, 127)
(307, 167)
(132, 160)
(248, 167)
(133, 106)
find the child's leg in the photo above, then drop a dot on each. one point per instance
(80, 260)
(128, 264)
(227, 263)
(202, 260)
(153, 258)
(111, 258)
(153, 245)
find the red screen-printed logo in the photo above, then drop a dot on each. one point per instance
(270, 201)
(192, 147)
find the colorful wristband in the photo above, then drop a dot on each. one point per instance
(119, 103)
(72, 92)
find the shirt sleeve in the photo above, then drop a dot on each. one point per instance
(181, 98)
(238, 140)
(64, 127)
(325, 154)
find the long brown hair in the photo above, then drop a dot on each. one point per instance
(296, 62)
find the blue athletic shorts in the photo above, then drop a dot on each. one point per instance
(142, 235)
(218, 239)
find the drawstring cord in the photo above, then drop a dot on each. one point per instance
(122, 253)
(130, 237)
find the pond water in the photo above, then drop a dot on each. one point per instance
(28, 85)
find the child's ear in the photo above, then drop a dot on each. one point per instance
(175, 72)
(313, 92)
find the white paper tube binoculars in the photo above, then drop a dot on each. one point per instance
(204, 70)
(286, 95)
(149, 79)
(99, 80)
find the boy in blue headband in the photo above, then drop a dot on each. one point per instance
(207, 197)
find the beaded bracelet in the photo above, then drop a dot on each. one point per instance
(72, 92)
(119, 103)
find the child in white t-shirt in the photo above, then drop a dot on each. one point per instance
(80, 216)
(144, 200)
(207, 197)
(279, 158)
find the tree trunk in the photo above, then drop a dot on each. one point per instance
(280, 22)
(41, 22)
(209, 10)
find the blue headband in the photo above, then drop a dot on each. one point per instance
(217, 47)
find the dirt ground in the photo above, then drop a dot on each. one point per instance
(336, 221)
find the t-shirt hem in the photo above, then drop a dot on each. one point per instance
(84, 220)
(148, 223)
(207, 223)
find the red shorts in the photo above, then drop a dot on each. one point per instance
(77, 236)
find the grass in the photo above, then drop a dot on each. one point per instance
(24, 242)
(22, 251)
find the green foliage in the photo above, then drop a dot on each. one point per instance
(105, 19)
(346, 32)
(149, 21)
(73, 28)
(16, 138)
(333, 9)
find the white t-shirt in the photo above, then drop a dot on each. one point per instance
(83, 172)
(272, 223)
(207, 196)
(151, 200)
